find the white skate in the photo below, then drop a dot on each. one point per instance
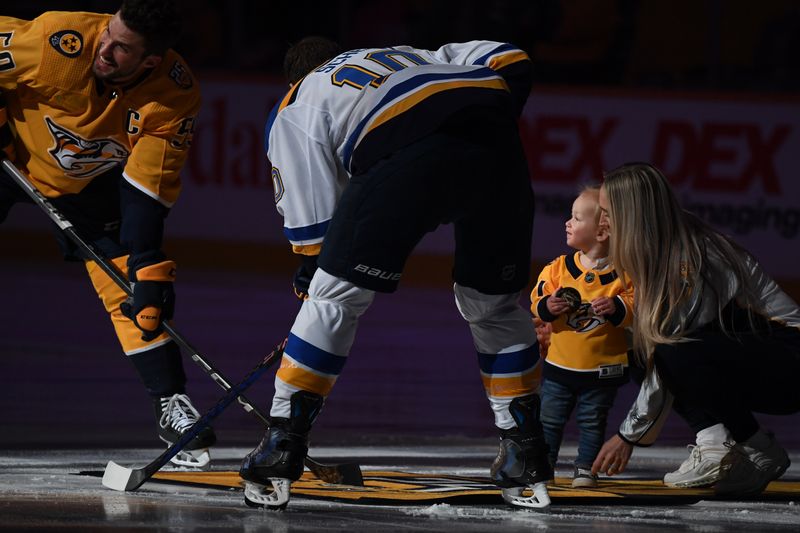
(256, 495)
(199, 459)
(539, 498)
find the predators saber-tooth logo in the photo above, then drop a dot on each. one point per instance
(82, 158)
(584, 319)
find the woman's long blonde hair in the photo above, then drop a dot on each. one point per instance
(662, 248)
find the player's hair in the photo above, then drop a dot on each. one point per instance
(663, 249)
(593, 190)
(157, 21)
(307, 54)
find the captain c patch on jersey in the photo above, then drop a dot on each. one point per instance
(83, 158)
(67, 42)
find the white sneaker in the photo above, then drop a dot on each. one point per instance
(701, 469)
(748, 468)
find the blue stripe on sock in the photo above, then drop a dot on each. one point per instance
(313, 357)
(508, 363)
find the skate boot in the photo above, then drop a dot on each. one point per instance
(176, 414)
(522, 460)
(278, 459)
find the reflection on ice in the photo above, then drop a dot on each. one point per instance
(39, 490)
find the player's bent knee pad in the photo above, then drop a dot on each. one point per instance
(496, 320)
(353, 299)
(477, 307)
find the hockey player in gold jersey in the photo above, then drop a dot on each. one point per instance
(99, 113)
(587, 358)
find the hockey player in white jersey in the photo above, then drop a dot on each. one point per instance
(371, 149)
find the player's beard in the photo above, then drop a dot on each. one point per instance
(110, 72)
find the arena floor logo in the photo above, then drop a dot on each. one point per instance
(398, 488)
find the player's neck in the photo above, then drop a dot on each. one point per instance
(594, 258)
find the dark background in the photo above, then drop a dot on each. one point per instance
(723, 45)
(63, 379)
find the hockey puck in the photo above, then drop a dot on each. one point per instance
(571, 295)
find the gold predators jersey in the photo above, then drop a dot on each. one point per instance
(71, 128)
(584, 347)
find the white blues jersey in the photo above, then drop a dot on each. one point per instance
(365, 104)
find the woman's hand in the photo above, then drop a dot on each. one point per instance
(613, 457)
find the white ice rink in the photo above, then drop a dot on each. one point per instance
(41, 491)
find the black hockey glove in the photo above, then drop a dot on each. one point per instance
(302, 278)
(153, 299)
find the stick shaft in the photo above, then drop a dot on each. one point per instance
(140, 475)
(120, 279)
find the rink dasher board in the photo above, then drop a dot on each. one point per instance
(397, 488)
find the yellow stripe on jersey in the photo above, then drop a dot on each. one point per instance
(302, 377)
(503, 60)
(289, 98)
(307, 249)
(427, 91)
(512, 385)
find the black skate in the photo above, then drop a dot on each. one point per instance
(278, 459)
(176, 414)
(522, 460)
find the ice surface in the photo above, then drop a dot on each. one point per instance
(39, 490)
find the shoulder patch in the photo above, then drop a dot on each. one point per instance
(180, 76)
(67, 42)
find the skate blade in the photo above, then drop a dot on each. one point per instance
(199, 459)
(539, 499)
(255, 495)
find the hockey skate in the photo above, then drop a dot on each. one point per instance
(522, 461)
(278, 459)
(175, 415)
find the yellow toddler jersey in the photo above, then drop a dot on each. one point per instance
(585, 348)
(70, 128)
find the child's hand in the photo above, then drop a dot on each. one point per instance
(557, 305)
(604, 306)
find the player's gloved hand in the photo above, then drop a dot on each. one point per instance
(303, 275)
(153, 299)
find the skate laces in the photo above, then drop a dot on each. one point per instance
(178, 412)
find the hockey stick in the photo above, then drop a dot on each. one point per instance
(124, 479)
(346, 473)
